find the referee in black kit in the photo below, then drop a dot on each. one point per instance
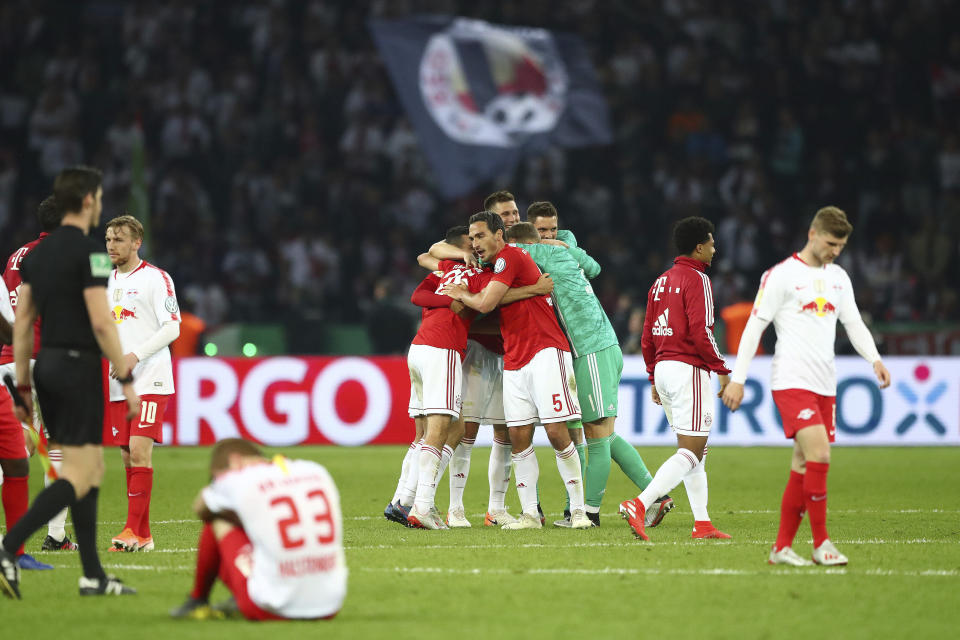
(64, 282)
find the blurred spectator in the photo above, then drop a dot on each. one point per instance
(283, 173)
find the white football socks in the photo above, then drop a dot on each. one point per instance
(409, 491)
(445, 454)
(459, 471)
(568, 463)
(668, 476)
(695, 482)
(527, 471)
(498, 475)
(429, 462)
(404, 470)
(56, 528)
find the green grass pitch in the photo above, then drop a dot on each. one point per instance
(894, 512)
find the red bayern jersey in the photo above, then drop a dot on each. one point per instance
(11, 277)
(527, 326)
(679, 321)
(440, 327)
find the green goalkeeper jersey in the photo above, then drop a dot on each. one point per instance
(565, 235)
(583, 318)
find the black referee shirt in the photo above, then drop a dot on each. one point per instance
(58, 270)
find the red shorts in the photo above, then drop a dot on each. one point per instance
(12, 445)
(236, 561)
(800, 408)
(149, 423)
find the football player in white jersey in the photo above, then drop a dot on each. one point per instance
(144, 306)
(273, 532)
(804, 296)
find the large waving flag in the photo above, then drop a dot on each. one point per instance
(481, 96)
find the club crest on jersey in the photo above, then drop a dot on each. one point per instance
(499, 265)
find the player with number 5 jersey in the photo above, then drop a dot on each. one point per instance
(144, 307)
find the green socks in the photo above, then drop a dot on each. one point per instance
(629, 461)
(597, 472)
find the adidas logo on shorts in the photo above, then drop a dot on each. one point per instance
(661, 326)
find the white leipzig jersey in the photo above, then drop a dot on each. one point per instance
(290, 511)
(140, 302)
(804, 304)
(6, 311)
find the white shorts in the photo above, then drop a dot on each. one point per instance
(543, 390)
(436, 378)
(482, 385)
(687, 397)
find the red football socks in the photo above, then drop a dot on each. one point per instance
(815, 499)
(208, 564)
(139, 487)
(791, 511)
(16, 499)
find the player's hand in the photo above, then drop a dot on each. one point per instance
(128, 359)
(544, 285)
(724, 381)
(133, 402)
(455, 291)
(469, 259)
(732, 395)
(26, 394)
(882, 374)
(655, 396)
(461, 309)
(554, 241)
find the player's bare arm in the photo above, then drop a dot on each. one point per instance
(107, 338)
(444, 251)
(485, 301)
(883, 376)
(23, 328)
(542, 287)
(428, 262)
(555, 242)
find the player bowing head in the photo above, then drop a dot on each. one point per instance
(504, 204)
(524, 233)
(828, 235)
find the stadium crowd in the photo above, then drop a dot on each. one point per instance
(285, 183)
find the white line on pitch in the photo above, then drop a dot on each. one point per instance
(578, 545)
(146, 567)
(656, 572)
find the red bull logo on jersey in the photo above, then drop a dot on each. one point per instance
(122, 313)
(820, 306)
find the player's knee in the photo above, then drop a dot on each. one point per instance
(15, 467)
(821, 455)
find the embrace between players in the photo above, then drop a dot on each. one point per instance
(518, 274)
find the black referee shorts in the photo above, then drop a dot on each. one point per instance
(70, 391)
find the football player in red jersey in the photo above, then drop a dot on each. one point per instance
(680, 354)
(538, 383)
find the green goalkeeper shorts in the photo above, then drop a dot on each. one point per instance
(598, 380)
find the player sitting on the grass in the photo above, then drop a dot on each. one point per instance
(680, 353)
(597, 366)
(273, 533)
(804, 296)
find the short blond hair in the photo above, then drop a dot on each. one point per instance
(832, 220)
(131, 223)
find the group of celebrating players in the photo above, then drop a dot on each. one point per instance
(513, 336)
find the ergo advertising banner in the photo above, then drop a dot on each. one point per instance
(353, 401)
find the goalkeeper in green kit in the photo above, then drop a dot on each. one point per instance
(597, 359)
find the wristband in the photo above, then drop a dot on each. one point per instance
(127, 380)
(24, 388)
